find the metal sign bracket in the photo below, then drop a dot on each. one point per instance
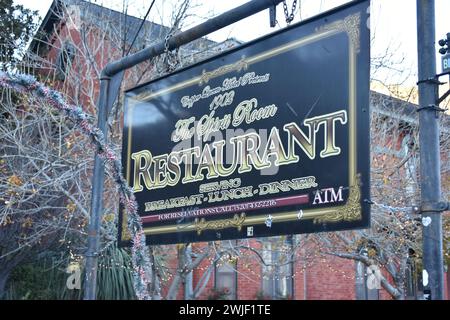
(432, 207)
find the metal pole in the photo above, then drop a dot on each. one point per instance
(189, 35)
(96, 200)
(104, 104)
(430, 181)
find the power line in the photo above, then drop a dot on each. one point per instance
(140, 27)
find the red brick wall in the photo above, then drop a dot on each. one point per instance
(249, 276)
(324, 278)
(328, 278)
(197, 274)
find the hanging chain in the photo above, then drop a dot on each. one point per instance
(289, 17)
(166, 42)
(170, 58)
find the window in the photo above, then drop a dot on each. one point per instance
(363, 292)
(371, 294)
(412, 282)
(226, 276)
(64, 60)
(410, 165)
(277, 270)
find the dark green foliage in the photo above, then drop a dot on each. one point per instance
(114, 275)
(39, 280)
(17, 26)
(46, 279)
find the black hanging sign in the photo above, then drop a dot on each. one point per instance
(269, 138)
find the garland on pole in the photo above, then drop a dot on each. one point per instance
(27, 84)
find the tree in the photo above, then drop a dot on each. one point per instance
(17, 27)
(43, 174)
(46, 166)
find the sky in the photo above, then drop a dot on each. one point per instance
(393, 24)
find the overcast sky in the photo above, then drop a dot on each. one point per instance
(393, 22)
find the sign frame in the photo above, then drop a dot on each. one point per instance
(355, 213)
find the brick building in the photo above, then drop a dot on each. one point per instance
(300, 277)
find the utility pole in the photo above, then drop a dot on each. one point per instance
(96, 202)
(430, 180)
